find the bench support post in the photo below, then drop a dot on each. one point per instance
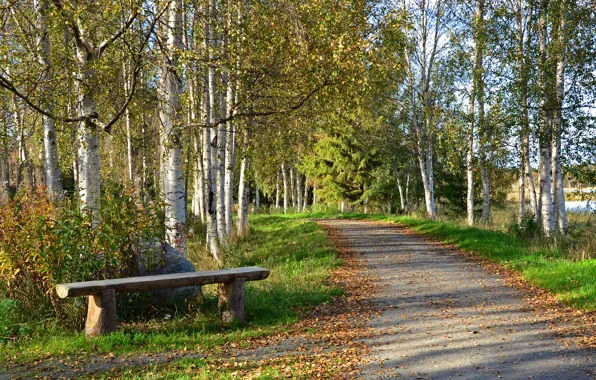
(231, 301)
(101, 314)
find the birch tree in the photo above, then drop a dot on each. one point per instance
(170, 117)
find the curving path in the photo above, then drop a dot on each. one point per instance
(446, 317)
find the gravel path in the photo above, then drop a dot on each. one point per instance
(446, 317)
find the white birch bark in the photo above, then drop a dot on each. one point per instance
(222, 230)
(558, 196)
(545, 125)
(298, 191)
(199, 188)
(305, 197)
(243, 200)
(4, 167)
(144, 168)
(292, 186)
(229, 163)
(257, 197)
(170, 116)
(277, 194)
(470, 156)
(127, 122)
(212, 236)
(230, 136)
(482, 126)
(523, 48)
(51, 167)
(284, 173)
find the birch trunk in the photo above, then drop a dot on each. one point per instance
(257, 197)
(470, 154)
(285, 178)
(221, 176)
(145, 168)
(558, 196)
(199, 188)
(229, 164)
(292, 186)
(407, 205)
(277, 194)
(314, 195)
(400, 188)
(299, 191)
(207, 102)
(51, 167)
(305, 198)
(545, 125)
(127, 122)
(170, 117)
(523, 48)
(4, 166)
(222, 137)
(243, 200)
(231, 133)
(88, 134)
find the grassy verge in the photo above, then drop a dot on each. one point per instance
(301, 260)
(574, 282)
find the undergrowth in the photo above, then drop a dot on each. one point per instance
(297, 252)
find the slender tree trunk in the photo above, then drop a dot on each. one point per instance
(145, 168)
(305, 198)
(229, 165)
(199, 187)
(522, 186)
(243, 200)
(314, 195)
(209, 187)
(284, 172)
(221, 177)
(545, 125)
(470, 151)
(127, 121)
(277, 194)
(170, 115)
(299, 191)
(523, 48)
(51, 167)
(292, 186)
(257, 197)
(4, 166)
(558, 196)
(400, 188)
(407, 202)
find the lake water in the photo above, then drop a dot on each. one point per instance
(581, 206)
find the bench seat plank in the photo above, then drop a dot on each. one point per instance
(177, 280)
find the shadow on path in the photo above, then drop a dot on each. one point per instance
(446, 317)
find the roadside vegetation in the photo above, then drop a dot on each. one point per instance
(301, 260)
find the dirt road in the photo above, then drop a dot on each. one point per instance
(447, 317)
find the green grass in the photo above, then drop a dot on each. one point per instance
(301, 260)
(573, 281)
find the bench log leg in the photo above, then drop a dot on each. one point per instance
(101, 314)
(231, 301)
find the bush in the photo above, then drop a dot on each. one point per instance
(528, 228)
(44, 243)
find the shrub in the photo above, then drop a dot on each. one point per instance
(44, 243)
(528, 228)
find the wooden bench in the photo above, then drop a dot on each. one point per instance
(101, 313)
